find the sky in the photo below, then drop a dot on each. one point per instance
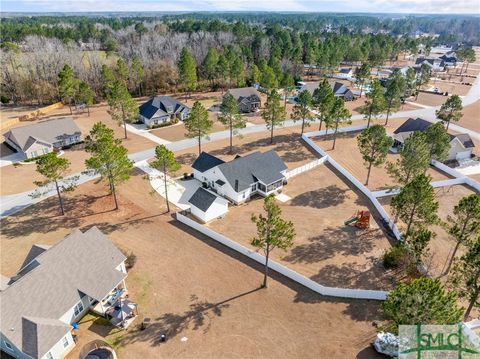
(372, 6)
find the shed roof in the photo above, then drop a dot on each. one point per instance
(202, 199)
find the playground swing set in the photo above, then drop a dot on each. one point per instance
(360, 220)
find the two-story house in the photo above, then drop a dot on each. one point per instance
(239, 179)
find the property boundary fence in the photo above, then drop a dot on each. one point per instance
(306, 167)
(289, 273)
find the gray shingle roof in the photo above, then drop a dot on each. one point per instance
(244, 92)
(412, 125)
(161, 106)
(82, 263)
(4, 282)
(206, 161)
(466, 140)
(337, 87)
(48, 132)
(202, 199)
(34, 252)
(265, 167)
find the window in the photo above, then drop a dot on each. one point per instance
(49, 355)
(65, 342)
(8, 345)
(254, 187)
(78, 308)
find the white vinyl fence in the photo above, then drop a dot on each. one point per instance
(306, 167)
(454, 173)
(328, 291)
(350, 177)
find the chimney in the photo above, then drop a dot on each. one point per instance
(236, 185)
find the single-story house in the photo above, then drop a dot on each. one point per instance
(44, 137)
(241, 178)
(56, 287)
(345, 73)
(435, 64)
(206, 205)
(160, 110)
(461, 145)
(248, 98)
(339, 89)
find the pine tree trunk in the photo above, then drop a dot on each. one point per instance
(166, 186)
(265, 274)
(231, 137)
(321, 121)
(368, 174)
(114, 192)
(335, 135)
(303, 126)
(448, 124)
(125, 128)
(271, 134)
(60, 201)
(199, 144)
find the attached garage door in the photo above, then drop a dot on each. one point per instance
(463, 155)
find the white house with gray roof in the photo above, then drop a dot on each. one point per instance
(55, 288)
(159, 110)
(238, 180)
(207, 206)
(43, 137)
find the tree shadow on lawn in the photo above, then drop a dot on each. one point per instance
(321, 198)
(357, 309)
(345, 241)
(199, 316)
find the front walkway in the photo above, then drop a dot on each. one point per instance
(145, 133)
(11, 159)
(179, 191)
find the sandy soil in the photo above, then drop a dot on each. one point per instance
(189, 286)
(471, 117)
(9, 112)
(442, 245)
(346, 153)
(325, 250)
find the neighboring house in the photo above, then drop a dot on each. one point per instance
(241, 178)
(248, 98)
(346, 74)
(435, 64)
(55, 287)
(461, 146)
(450, 58)
(43, 137)
(206, 205)
(161, 110)
(339, 89)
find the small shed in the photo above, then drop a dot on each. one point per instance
(206, 205)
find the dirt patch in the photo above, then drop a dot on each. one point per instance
(471, 117)
(189, 286)
(346, 154)
(325, 249)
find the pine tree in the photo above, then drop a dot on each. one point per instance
(67, 85)
(373, 144)
(464, 224)
(123, 108)
(423, 78)
(198, 124)
(210, 65)
(416, 204)
(338, 114)
(451, 110)
(362, 74)
(414, 159)
(165, 161)
(188, 71)
(54, 169)
(424, 301)
(230, 116)
(375, 103)
(85, 95)
(395, 89)
(108, 157)
(138, 74)
(323, 100)
(302, 111)
(274, 113)
(272, 231)
(438, 141)
(466, 276)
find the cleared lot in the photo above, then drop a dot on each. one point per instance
(325, 249)
(189, 286)
(471, 117)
